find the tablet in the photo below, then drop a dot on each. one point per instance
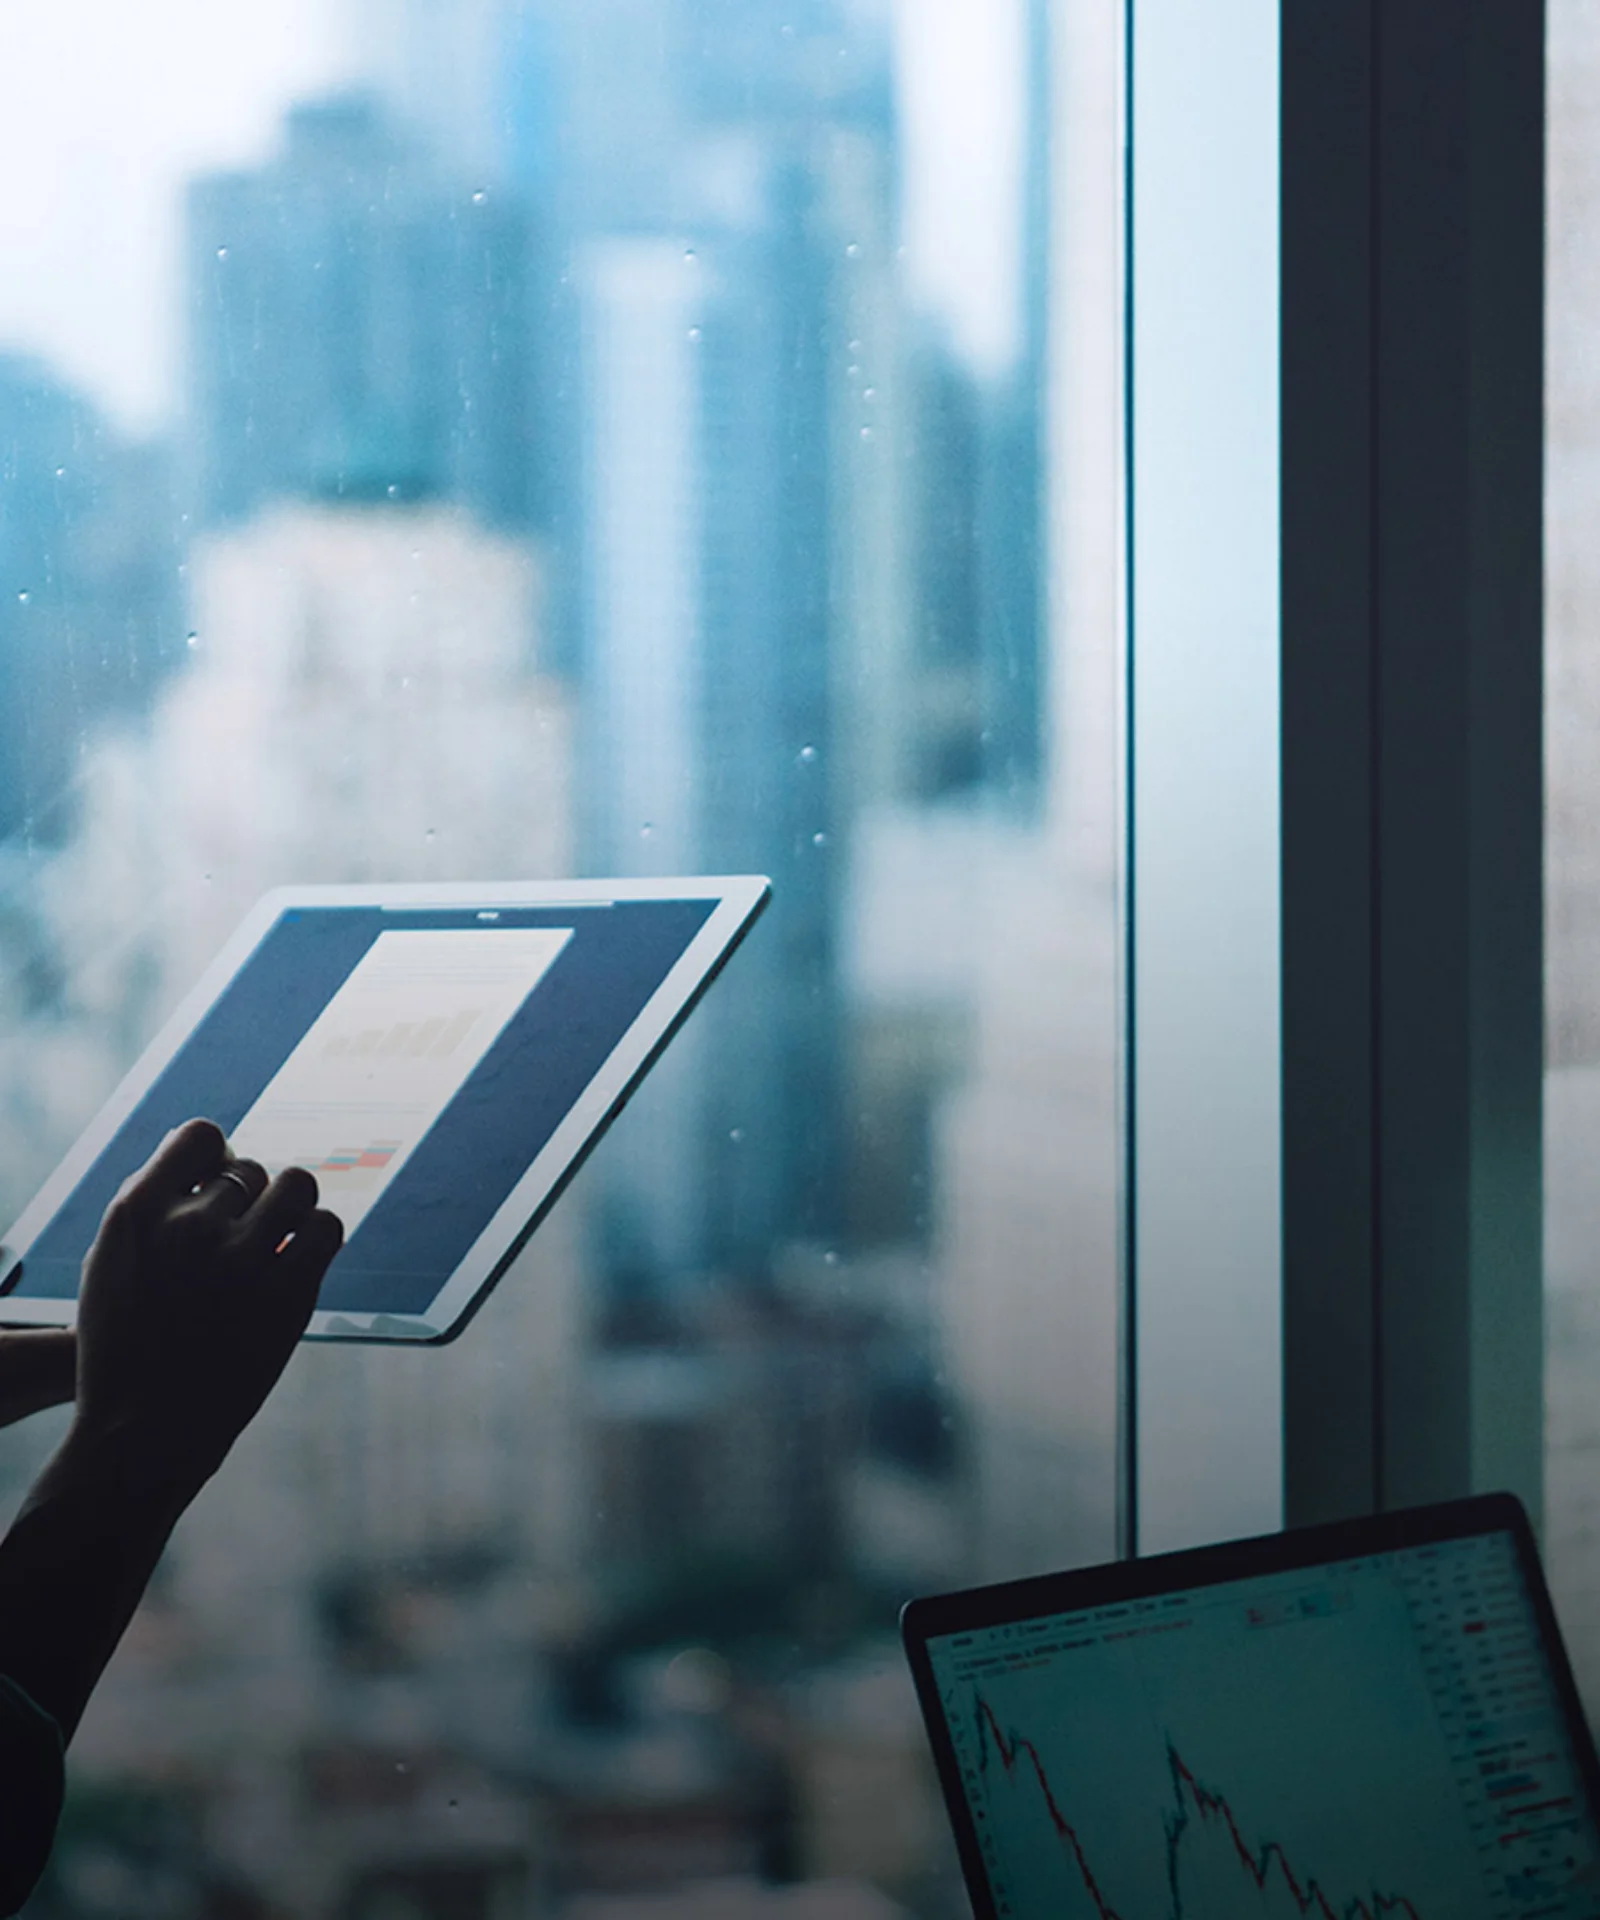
(442, 1058)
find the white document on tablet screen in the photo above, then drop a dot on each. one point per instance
(388, 1054)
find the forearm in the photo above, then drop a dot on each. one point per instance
(75, 1564)
(38, 1367)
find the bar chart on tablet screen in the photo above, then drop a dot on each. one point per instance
(388, 1053)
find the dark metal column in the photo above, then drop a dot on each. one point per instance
(1412, 786)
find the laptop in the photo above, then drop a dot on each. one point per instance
(1374, 1720)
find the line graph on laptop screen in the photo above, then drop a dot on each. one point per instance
(1377, 1740)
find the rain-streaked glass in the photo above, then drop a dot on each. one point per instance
(490, 439)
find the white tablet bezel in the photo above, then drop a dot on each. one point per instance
(739, 899)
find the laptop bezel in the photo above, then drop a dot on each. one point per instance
(975, 1609)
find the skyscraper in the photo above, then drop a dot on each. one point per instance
(717, 630)
(1012, 504)
(360, 327)
(90, 612)
(772, 782)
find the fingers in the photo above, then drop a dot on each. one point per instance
(230, 1193)
(190, 1154)
(298, 1270)
(283, 1208)
(305, 1260)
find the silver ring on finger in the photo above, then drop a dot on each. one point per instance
(235, 1178)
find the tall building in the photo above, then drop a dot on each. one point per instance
(712, 658)
(1013, 505)
(943, 689)
(641, 737)
(772, 782)
(798, 563)
(90, 602)
(974, 693)
(1028, 1147)
(362, 325)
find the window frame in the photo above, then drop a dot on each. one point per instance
(1412, 799)
(1204, 1269)
(1351, 1159)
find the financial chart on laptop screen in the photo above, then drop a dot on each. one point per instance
(1376, 1737)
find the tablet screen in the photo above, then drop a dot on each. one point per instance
(415, 1060)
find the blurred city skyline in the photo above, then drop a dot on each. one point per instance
(105, 119)
(606, 450)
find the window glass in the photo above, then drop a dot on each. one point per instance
(492, 439)
(1572, 868)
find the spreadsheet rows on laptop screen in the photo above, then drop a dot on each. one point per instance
(1378, 1737)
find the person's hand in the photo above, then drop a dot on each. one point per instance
(37, 1367)
(201, 1280)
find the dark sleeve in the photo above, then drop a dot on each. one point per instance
(31, 1781)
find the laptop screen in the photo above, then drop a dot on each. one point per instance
(1366, 1738)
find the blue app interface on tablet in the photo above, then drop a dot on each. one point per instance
(415, 1061)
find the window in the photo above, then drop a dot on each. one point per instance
(494, 438)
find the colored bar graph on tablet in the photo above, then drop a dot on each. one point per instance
(388, 1054)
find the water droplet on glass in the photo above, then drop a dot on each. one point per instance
(819, 839)
(646, 831)
(430, 834)
(869, 393)
(736, 1134)
(807, 755)
(694, 333)
(454, 1803)
(222, 253)
(399, 1766)
(853, 346)
(394, 491)
(852, 252)
(830, 1258)
(191, 640)
(478, 198)
(866, 433)
(688, 256)
(24, 597)
(61, 473)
